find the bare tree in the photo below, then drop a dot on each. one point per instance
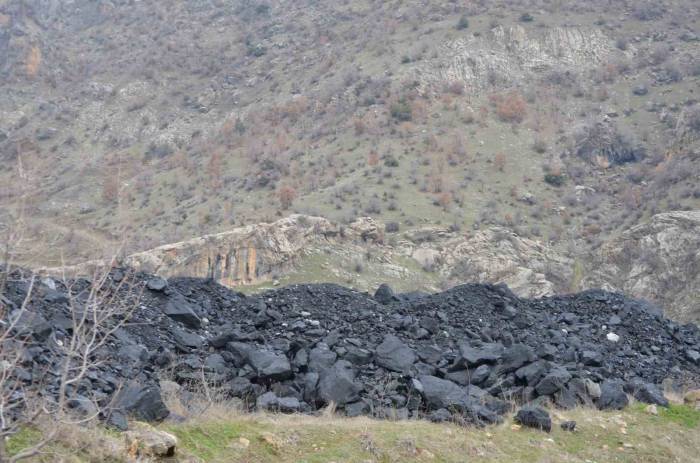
(96, 309)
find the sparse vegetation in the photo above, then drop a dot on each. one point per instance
(220, 435)
(463, 23)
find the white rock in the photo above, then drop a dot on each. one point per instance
(612, 337)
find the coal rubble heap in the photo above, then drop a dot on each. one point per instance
(463, 355)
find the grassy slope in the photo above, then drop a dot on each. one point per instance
(628, 436)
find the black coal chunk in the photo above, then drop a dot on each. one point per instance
(534, 417)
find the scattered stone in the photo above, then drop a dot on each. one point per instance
(692, 396)
(157, 284)
(534, 417)
(693, 356)
(592, 388)
(462, 355)
(569, 426)
(640, 90)
(612, 337)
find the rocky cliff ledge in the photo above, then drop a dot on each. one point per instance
(658, 260)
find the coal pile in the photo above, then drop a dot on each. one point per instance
(466, 354)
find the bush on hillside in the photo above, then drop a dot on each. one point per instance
(401, 110)
(511, 107)
(463, 23)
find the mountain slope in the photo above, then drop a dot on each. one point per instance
(132, 124)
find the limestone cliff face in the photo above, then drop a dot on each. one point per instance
(241, 256)
(507, 55)
(658, 260)
(245, 255)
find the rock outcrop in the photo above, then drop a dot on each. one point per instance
(658, 260)
(508, 55)
(245, 255)
(495, 255)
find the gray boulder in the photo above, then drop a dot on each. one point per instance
(337, 384)
(553, 381)
(612, 396)
(142, 401)
(270, 366)
(534, 417)
(321, 357)
(394, 355)
(472, 357)
(647, 393)
(384, 294)
(270, 401)
(182, 311)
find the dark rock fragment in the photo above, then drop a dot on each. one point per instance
(534, 417)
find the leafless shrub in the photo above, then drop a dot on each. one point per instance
(95, 309)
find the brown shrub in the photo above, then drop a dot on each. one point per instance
(500, 161)
(444, 200)
(510, 107)
(33, 62)
(373, 158)
(286, 195)
(110, 188)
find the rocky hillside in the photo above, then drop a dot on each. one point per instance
(131, 124)
(463, 355)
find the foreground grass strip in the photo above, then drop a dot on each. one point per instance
(630, 436)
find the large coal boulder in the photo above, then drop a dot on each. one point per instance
(141, 401)
(394, 355)
(612, 396)
(337, 384)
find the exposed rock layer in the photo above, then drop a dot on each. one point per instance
(658, 260)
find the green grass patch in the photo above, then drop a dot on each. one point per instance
(23, 439)
(208, 441)
(682, 414)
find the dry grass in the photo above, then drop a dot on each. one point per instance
(222, 434)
